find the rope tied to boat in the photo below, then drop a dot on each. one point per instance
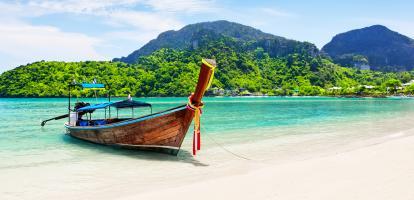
(196, 106)
(197, 125)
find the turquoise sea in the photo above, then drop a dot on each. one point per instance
(233, 129)
(22, 135)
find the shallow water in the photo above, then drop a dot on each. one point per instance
(242, 118)
(234, 130)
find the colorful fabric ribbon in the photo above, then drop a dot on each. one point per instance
(196, 135)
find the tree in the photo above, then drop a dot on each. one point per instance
(393, 85)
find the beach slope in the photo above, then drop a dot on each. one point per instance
(379, 171)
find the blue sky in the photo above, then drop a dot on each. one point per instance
(74, 30)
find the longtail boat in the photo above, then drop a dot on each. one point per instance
(162, 131)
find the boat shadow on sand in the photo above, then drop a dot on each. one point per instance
(183, 156)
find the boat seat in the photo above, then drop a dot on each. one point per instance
(83, 123)
(100, 122)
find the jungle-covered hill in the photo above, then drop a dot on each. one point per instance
(168, 72)
(247, 59)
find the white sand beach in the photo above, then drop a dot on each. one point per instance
(382, 171)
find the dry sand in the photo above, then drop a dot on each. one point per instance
(379, 171)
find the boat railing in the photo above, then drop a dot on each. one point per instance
(119, 121)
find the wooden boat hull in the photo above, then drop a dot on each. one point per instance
(162, 132)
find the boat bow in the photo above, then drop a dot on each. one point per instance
(195, 104)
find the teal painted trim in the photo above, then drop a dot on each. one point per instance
(127, 122)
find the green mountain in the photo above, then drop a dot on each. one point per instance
(244, 38)
(376, 46)
(252, 62)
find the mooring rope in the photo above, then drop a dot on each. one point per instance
(224, 148)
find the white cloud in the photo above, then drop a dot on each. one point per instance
(78, 6)
(92, 6)
(144, 20)
(189, 6)
(121, 12)
(136, 21)
(25, 43)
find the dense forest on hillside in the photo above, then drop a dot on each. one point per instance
(250, 62)
(169, 72)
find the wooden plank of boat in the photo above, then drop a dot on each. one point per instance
(163, 131)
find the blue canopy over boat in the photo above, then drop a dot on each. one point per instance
(119, 104)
